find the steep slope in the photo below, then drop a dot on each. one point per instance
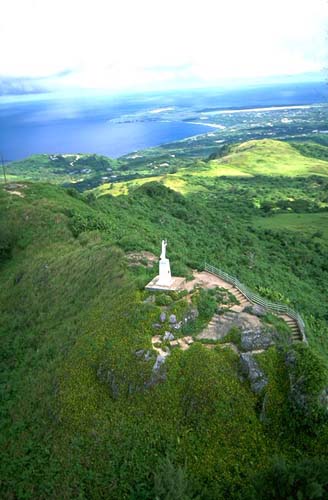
(81, 416)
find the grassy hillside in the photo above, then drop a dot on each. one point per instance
(307, 224)
(79, 416)
(259, 157)
(76, 169)
(174, 166)
(269, 157)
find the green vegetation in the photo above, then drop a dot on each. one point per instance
(307, 479)
(83, 415)
(313, 224)
(254, 158)
(174, 163)
(268, 157)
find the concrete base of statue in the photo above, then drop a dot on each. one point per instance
(175, 285)
(165, 278)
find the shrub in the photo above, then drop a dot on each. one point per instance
(308, 379)
(206, 304)
(171, 482)
(304, 480)
(163, 299)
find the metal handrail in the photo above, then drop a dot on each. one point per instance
(274, 307)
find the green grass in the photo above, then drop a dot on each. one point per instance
(269, 157)
(315, 224)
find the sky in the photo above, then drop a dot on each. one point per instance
(124, 45)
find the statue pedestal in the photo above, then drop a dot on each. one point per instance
(165, 278)
(177, 284)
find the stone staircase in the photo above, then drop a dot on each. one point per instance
(246, 297)
(243, 302)
(296, 335)
(211, 328)
(292, 323)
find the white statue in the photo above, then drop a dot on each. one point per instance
(164, 244)
(165, 278)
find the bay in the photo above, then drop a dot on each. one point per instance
(85, 136)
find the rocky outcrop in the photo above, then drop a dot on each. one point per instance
(160, 360)
(252, 372)
(257, 310)
(256, 338)
(168, 336)
(254, 335)
(108, 377)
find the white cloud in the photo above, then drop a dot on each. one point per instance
(123, 44)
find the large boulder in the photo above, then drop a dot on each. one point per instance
(162, 317)
(251, 371)
(323, 398)
(168, 336)
(173, 319)
(257, 310)
(160, 360)
(256, 338)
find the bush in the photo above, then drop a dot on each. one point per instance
(304, 480)
(206, 304)
(308, 379)
(171, 482)
(163, 299)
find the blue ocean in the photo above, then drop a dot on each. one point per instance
(88, 123)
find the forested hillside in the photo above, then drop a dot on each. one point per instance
(83, 415)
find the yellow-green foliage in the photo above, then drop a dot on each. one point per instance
(270, 157)
(257, 157)
(173, 181)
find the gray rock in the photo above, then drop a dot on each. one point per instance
(173, 319)
(252, 372)
(191, 315)
(323, 398)
(157, 325)
(142, 354)
(263, 414)
(160, 360)
(148, 356)
(168, 336)
(290, 359)
(257, 338)
(258, 310)
(162, 317)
